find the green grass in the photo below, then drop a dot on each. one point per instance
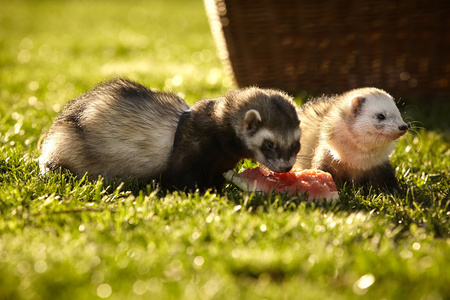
(63, 238)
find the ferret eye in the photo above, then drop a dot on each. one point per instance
(381, 117)
(268, 145)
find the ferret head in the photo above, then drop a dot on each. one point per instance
(268, 126)
(375, 119)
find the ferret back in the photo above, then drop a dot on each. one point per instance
(117, 129)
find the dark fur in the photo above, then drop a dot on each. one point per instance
(379, 177)
(204, 151)
(214, 147)
(206, 143)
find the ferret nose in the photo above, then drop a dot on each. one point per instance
(403, 127)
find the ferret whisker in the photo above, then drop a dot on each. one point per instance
(407, 140)
(407, 119)
(415, 132)
(378, 135)
(412, 125)
(383, 136)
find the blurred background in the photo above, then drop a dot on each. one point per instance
(333, 46)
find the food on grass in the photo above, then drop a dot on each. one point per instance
(316, 183)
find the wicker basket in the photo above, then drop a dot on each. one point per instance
(333, 46)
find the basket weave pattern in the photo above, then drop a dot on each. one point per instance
(333, 46)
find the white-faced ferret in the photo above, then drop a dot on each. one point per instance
(352, 136)
(122, 129)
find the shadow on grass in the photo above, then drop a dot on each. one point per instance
(424, 205)
(411, 206)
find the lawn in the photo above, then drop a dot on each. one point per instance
(68, 238)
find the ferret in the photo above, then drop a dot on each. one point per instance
(121, 129)
(352, 136)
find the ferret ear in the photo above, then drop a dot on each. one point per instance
(251, 120)
(356, 104)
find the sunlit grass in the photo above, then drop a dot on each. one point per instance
(68, 238)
